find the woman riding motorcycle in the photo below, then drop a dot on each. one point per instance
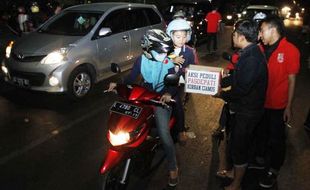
(153, 65)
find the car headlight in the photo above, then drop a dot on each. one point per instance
(55, 57)
(229, 17)
(9, 49)
(119, 138)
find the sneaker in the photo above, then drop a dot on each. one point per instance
(268, 180)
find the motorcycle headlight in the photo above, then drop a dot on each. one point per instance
(55, 57)
(9, 49)
(119, 138)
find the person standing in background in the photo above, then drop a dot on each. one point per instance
(213, 20)
(22, 19)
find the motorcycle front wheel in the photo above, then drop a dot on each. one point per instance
(117, 178)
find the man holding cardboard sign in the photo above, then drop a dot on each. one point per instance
(246, 96)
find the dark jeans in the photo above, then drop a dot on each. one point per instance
(211, 38)
(162, 117)
(178, 112)
(242, 137)
(271, 139)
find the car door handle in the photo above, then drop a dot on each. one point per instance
(125, 38)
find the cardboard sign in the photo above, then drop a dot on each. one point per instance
(202, 79)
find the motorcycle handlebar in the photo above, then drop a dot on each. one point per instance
(161, 104)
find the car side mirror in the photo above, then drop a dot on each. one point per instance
(171, 80)
(115, 68)
(104, 32)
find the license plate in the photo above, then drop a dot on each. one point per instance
(126, 109)
(20, 81)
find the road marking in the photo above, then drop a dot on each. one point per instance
(47, 137)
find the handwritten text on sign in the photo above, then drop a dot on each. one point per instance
(203, 82)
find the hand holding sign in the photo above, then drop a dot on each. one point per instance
(203, 79)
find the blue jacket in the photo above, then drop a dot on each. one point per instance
(136, 73)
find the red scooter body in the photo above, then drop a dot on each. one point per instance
(137, 124)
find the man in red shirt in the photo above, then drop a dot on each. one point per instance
(213, 20)
(283, 65)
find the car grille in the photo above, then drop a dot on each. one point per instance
(35, 79)
(22, 58)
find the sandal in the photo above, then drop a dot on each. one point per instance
(182, 138)
(223, 174)
(173, 178)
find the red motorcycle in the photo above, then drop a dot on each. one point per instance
(132, 134)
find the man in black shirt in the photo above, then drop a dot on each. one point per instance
(246, 97)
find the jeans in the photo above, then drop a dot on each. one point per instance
(211, 38)
(162, 117)
(178, 112)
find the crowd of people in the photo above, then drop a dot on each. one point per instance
(258, 101)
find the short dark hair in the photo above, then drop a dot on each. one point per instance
(276, 22)
(247, 28)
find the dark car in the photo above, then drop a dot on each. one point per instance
(195, 13)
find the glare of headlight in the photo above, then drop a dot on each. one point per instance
(286, 9)
(55, 57)
(4, 69)
(239, 15)
(53, 81)
(244, 12)
(297, 16)
(9, 49)
(119, 139)
(229, 17)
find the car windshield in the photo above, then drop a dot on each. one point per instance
(250, 13)
(72, 23)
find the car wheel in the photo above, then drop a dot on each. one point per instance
(80, 83)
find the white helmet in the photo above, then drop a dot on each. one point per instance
(178, 25)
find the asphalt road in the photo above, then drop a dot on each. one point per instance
(48, 142)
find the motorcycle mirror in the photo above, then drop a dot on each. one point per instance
(115, 68)
(171, 79)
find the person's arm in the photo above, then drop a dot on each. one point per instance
(291, 88)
